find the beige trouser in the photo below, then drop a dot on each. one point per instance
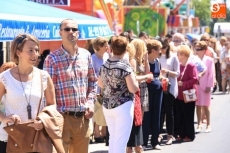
(76, 134)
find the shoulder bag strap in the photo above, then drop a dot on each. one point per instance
(183, 72)
(39, 106)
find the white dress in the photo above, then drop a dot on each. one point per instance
(15, 101)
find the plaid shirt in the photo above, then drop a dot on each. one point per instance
(74, 79)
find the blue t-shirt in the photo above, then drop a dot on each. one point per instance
(97, 63)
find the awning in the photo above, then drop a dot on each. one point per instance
(191, 36)
(42, 21)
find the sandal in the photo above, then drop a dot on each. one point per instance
(139, 149)
(129, 150)
(160, 138)
(169, 140)
(178, 139)
(186, 139)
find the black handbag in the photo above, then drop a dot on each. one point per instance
(168, 88)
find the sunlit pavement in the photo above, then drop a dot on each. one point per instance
(217, 141)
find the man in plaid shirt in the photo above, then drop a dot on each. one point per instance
(71, 70)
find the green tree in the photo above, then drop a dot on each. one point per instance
(202, 11)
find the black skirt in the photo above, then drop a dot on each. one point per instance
(136, 136)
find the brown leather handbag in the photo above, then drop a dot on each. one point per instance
(24, 139)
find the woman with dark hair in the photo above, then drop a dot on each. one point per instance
(89, 46)
(126, 35)
(170, 68)
(42, 58)
(152, 117)
(193, 43)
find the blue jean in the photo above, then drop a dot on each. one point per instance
(151, 118)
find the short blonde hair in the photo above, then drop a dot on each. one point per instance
(18, 44)
(140, 49)
(184, 49)
(131, 51)
(99, 42)
(223, 38)
(180, 36)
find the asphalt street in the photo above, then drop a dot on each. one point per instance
(217, 141)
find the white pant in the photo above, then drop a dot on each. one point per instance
(119, 121)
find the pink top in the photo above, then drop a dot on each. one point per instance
(189, 79)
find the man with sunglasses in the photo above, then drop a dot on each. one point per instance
(71, 70)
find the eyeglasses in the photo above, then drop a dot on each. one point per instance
(177, 41)
(21, 38)
(198, 49)
(68, 29)
(183, 43)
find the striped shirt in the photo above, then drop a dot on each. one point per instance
(74, 79)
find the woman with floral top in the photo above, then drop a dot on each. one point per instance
(117, 79)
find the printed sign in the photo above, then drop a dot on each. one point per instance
(218, 10)
(53, 2)
(48, 31)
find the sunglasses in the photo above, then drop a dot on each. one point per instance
(68, 29)
(177, 41)
(21, 38)
(199, 49)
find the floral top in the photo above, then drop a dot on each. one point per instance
(113, 75)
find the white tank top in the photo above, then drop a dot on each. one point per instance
(15, 101)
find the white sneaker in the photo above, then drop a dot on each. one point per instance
(198, 130)
(157, 147)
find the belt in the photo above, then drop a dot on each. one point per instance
(75, 114)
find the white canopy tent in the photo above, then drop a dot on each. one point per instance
(221, 27)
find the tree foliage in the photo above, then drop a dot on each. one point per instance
(203, 11)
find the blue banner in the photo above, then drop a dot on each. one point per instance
(9, 29)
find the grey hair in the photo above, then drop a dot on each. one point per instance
(179, 35)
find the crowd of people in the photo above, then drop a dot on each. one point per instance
(126, 88)
(193, 68)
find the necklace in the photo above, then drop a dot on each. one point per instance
(28, 101)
